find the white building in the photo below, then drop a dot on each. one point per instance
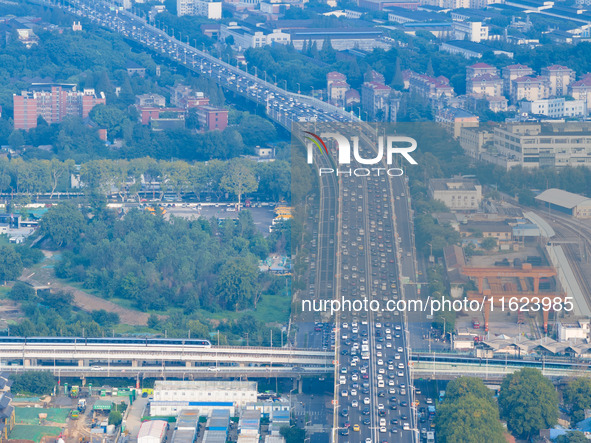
(578, 331)
(555, 107)
(473, 31)
(171, 397)
(203, 8)
(457, 193)
(551, 144)
(152, 431)
(245, 37)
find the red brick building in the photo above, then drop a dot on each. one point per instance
(52, 102)
(211, 118)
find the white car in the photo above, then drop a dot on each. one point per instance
(381, 371)
(383, 429)
(380, 406)
(354, 392)
(366, 401)
(400, 373)
(388, 345)
(400, 349)
(344, 393)
(380, 362)
(396, 356)
(354, 377)
(354, 404)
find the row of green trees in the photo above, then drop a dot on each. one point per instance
(527, 401)
(129, 178)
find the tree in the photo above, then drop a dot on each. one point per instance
(469, 420)
(153, 321)
(528, 402)
(16, 139)
(293, 435)
(577, 395)
(239, 180)
(398, 80)
(22, 292)
(63, 224)
(489, 243)
(33, 382)
(115, 418)
(11, 266)
(236, 285)
(572, 437)
(57, 170)
(462, 386)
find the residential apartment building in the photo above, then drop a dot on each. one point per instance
(530, 88)
(559, 79)
(429, 87)
(555, 107)
(551, 144)
(513, 72)
(486, 84)
(581, 90)
(337, 87)
(454, 119)
(204, 8)
(479, 69)
(53, 102)
(457, 193)
(379, 101)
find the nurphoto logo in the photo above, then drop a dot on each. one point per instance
(387, 146)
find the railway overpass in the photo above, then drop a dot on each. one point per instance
(138, 356)
(161, 361)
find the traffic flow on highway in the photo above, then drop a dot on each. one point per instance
(358, 248)
(282, 106)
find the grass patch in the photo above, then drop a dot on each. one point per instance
(273, 308)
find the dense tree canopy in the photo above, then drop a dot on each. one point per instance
(577, 395)
(468, 413)
(528, 401)
(33, 382)
(157, 264)
(11, 265)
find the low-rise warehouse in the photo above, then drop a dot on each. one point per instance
(573, 204)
